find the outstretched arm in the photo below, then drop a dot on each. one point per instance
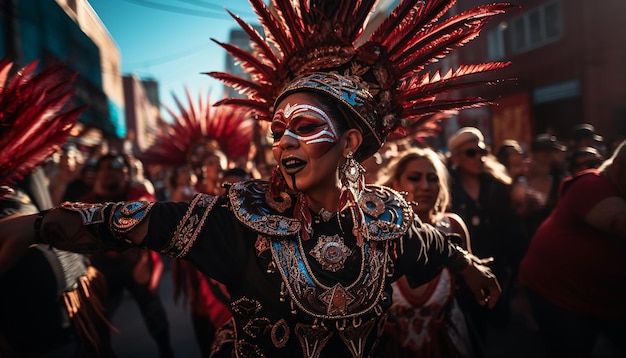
(435, 251)
(73, 227)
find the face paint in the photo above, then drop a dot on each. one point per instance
(305, 123)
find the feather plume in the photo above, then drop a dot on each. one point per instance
(320, 35)
(196, 123)
(36, 115)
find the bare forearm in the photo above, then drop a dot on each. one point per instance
(16, 236)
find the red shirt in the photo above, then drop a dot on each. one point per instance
(572, 264)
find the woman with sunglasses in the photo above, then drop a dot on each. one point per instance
(307, 257)
(481, 195)
(426, 320)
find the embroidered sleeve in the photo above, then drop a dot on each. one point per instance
(126, 216)
(424, 251)
(190, 226)
(110, 222)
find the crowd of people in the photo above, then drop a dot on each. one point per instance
(418, 255)
(489, 204)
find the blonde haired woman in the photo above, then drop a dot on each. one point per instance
(426, 320)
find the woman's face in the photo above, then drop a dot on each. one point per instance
(306, 142)
(420, 180)
(471, 158)
(518, 164)
(212, 167)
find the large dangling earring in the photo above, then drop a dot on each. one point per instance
(352, 175)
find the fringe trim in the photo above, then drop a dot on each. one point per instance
(87, 312)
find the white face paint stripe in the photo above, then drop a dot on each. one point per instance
(291, 110)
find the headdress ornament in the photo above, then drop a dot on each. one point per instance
(35, 117)
(227, 129)
(319, 45)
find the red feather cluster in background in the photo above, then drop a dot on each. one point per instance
(36, 116)
(198, 124)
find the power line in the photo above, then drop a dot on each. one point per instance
(170, 57)
(181, 10)
(210, 5)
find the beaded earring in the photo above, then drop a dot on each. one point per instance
(352, 175)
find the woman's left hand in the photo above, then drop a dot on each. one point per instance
(482, 282)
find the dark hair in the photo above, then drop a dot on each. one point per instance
(238, 172)
(582, 152)
(119, 158)
(504, 152)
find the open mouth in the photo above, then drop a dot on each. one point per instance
(293, 165)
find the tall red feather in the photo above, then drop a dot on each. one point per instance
(195, 123)
(36, 115)
(320, 35)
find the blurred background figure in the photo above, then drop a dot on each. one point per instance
(512, 156)
(234, 175)
(182, 184)
(51, 304)
(65, 170)
(426, 321)
(544, 177)
(584, 135)
(584, 158)
(137, 175)
(574, 269)
(81, 185)
(136, 271)
(480, 192)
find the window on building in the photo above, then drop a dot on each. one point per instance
(536, 27)
(495, 44)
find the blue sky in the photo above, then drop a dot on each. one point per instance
(170, 40)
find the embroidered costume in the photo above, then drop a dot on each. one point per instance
(291, 297)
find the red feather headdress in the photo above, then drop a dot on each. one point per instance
(318, 45)
(35, 117)
(231, 130)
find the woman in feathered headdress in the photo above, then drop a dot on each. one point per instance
(308, 257)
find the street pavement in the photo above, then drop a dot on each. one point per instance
(133, 339)
(515, 340)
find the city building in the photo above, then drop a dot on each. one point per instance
(70, 32)
(567, 67)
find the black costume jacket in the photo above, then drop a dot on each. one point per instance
(323, 297)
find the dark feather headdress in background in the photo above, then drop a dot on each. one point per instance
(35, 117)
(319, 45)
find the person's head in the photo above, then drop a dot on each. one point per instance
(136, 169)
(89, 172)
(183, 176)
(584, 158)
(467, 151)
(234, 175)
(69, 157)
(422, 174)
(312, 137)
(584, 135)
(112, 173)
(511, 155)
(615, 168)
(546, 150)
(213, 163)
